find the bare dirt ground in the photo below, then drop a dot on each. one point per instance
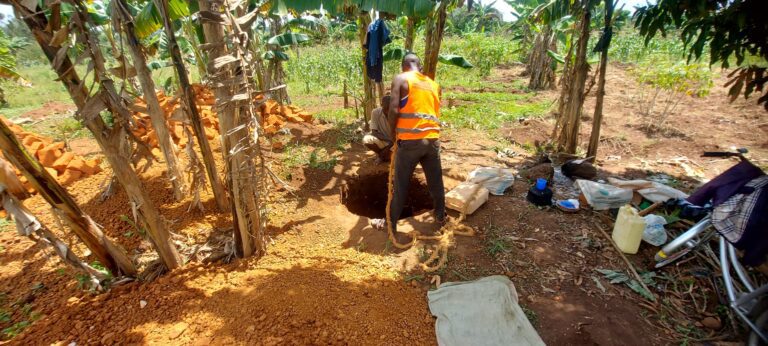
(328, 278)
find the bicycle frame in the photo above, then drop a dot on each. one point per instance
(740, 302)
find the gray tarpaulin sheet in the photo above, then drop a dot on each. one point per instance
(481, 312)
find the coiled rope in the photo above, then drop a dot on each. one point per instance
(448, 231)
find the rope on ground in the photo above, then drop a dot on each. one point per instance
(449, 230)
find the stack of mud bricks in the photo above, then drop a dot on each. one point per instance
(63, 165)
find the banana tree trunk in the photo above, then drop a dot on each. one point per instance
(568, 137)
(156, 114)
(111, 140)
(364, 20)
(434, 38)
(410, 33)
(597, 119)
(188, 104)
(236, 123)
(542, 76)
(111, 255)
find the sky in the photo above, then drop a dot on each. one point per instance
(499, 4)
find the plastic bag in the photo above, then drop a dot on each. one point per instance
(650, 190)
(654, 232)
(604, 196)
(495, 179)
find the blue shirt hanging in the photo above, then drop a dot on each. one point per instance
(376, 38)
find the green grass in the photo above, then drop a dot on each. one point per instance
(488, 111)
(44, 88)
(297, 155)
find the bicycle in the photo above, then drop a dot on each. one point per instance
(746, 300)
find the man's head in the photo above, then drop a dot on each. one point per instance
(385, 100)
(411, 62)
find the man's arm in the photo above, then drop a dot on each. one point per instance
(394, 104)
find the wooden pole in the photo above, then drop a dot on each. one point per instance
(188, 103)
(410, 33)
(364, 19)
(154, 110)
(109, 254)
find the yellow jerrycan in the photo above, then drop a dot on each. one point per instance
(628, 230)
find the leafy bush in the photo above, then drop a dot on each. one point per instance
(628, 47)
(666, 83)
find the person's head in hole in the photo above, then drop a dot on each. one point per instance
(411, 62)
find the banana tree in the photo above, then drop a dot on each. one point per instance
(7, 64)
(572, 95)
(189, 106)
(51, 33)
(125, 21)
(275, 55)
(542, 24)
(231, 71)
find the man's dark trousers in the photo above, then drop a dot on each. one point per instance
(407, 154)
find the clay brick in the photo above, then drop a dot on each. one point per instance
(294, 119)
(77, 164)
(178, 131)
(306, 116)
(48, 155)
(29, 139)
(211, 133)
(270, 129)
(35, 147)
(62, 162)
(69, 176)
(91, 167)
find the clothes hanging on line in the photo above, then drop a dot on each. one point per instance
(375, 40)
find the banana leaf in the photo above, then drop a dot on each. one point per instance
(415, 8)
(557, 57)
(394, 54)
(454, 60)
(271, 54)
(149, 19)
(288, 39)
(7, 59)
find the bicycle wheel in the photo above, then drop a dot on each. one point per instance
(699, 234)
(762, 323)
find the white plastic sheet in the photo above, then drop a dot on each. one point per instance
(495, 179)
(483, 312)
(604, 196)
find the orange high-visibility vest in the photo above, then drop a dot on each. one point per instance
(420, 116)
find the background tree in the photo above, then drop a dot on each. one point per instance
(602, 46)
(566, 131)
(541, 26)
(729, 28)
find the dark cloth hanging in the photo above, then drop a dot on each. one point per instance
(375, 40)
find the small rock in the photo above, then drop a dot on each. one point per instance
(414, 283)
(142, 303)
(712, 323)
(107, 338)
(202, 342)
(250, 329)
(177, 330)
(73, 300)
(262, 317)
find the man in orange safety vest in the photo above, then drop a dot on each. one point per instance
(414, 117)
